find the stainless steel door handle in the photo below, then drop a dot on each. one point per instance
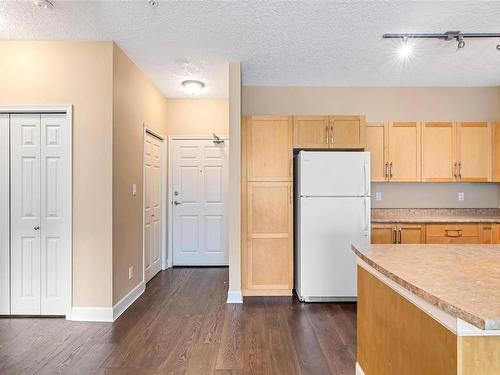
(177, 203)
(36, 228)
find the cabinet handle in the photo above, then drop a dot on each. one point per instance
(327, 132)
(394, 236)
(386, 171)
(457, 231)
(331, 134)
(455, 169)
(399, 235)
(390, 170)
(460, 170)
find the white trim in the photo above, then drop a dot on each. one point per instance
(37, 109)
(359, 370)
(91, 314)
(122, 305)
(163, 224)
(170, 222)
(456, 325)
(234, 297)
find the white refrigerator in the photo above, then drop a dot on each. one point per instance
(332, 212)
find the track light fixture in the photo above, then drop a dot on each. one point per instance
(447, 36)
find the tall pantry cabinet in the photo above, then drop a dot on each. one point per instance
(267, 205)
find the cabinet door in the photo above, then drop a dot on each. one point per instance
(310, 132)
(375, 143)
(404, 151)
(269, 148)
(474, 151)
(495, 130)
(383, 234)
(438, 152)
(411, 233)
(269, 249)
(487, 233)
(347, 132)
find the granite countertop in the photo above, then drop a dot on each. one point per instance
(437, 215)
(462, 280)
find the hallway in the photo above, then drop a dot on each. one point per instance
(182, 325)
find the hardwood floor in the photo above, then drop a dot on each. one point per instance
(182, 325)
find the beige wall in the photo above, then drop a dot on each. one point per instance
(235, 177)
(135, 101)
(435, 195)
(377, 103)
(77, 73)
(198, 116)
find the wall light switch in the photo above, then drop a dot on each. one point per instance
(131, 272)
(461, 196)
(378, 195)
(134, 189)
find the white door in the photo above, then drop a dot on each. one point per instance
(152, 205)
(199, 188)
(328, 228)
(40, 214)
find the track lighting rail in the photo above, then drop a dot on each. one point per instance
(449, 35)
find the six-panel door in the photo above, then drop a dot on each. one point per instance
(200, 177)
(40, 215)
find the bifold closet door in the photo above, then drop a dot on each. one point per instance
(39, 185)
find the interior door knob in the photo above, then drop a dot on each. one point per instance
(36, 228)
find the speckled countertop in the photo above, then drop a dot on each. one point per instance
(462, 280)
(435, 215)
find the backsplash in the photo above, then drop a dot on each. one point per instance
(435, 195)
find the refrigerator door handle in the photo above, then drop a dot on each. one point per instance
(367, 179)
(367, 214)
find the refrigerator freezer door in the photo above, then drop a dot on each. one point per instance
(328, 228)
(334, 173)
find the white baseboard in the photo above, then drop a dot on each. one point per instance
(128, 300)
(359, 370)
(234, 297)
(106, 314)
(91, 314)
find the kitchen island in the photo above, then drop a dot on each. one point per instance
(428, 309)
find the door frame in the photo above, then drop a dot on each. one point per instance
(68, 110)
(163, 193)
(170, 221)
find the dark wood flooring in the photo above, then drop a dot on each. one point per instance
(182, 325)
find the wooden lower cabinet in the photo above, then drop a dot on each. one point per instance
(398, 233)
(474, 233)
(269, 250)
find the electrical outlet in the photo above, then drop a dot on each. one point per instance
(461, 196)
(130, 272)
(134, 189)
(378, 195)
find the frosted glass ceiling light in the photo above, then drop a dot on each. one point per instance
(194, 87)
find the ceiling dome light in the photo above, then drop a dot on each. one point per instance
(194, 87)
(45, 4)
(405, 50)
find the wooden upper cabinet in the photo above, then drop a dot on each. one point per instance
(346, 132)
(496, 152)
(438, 152)
(310, 132)
(269, 149)
(376, 144)
(474, 151)
(404, 151)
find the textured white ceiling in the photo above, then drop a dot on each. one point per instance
(320, 43)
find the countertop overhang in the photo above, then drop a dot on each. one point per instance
(461, 280)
